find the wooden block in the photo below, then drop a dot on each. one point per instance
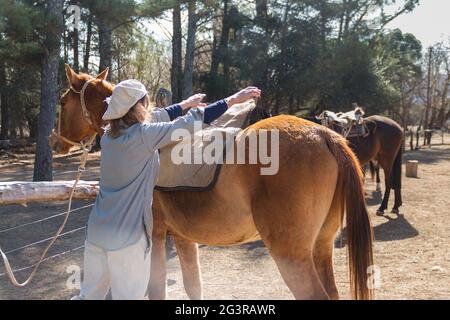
(411, 168)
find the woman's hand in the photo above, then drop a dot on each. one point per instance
(193, 102)
(243, 95)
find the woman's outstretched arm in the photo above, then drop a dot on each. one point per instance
(158, 135)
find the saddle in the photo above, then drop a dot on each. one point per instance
(195, 172)
(350, 124)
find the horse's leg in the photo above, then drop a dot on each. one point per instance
(377, 172)
(386, 164)
(323, 248)
(289, 226)
(157, 284)
(398, 200)
(300, 275)
(397, 180)
(190, 267)
(289, 217)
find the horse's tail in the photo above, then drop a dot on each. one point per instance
(397, 170)
(359, 229)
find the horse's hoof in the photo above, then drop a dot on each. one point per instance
(380, 212)
(396, 211)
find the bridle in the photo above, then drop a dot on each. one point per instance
(88, 142)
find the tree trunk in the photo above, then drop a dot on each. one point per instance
(49, 90)
(284, 57)
(118, 54)
(75, 43)
(87, 48)
(190, 51)
(176, 55)
(440, 119)
(66, 49)
(411, 139)
(428, 103)
(32, 123)
(105, 46)
(218, 53)
(219, 56)
(347, 17)
(341, 26)
(3, 103)
(262, 17)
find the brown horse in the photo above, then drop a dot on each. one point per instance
(382, 143)
(297, 212)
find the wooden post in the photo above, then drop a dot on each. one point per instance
(411, 168)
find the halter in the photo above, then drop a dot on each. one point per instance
(89, 141)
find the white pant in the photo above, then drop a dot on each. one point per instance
(126, 272)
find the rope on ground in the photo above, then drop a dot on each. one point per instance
(86, 148)
(44, 219)
(48, 258)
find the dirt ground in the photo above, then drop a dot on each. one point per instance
(412, 250)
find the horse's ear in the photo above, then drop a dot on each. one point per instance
(103, 75)
(72, 76)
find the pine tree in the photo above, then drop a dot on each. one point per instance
(49, 89)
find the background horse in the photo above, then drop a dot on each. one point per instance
(297, 212)
(383, 143)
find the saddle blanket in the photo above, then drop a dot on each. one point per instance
(194, 163)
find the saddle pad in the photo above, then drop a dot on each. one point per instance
(359, 130)
(196, 174)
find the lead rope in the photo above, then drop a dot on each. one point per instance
(81, 168)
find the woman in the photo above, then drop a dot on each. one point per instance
(117, 248)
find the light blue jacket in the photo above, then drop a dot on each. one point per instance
(128, 173)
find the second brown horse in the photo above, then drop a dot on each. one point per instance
(383, 142)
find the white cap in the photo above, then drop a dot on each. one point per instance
(125, 95)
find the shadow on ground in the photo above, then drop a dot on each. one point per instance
(427, 155)
(374, 198)
(393, 229)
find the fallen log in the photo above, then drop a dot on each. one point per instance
(18, 192)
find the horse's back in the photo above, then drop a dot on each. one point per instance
(385, 123)
(386, 137)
